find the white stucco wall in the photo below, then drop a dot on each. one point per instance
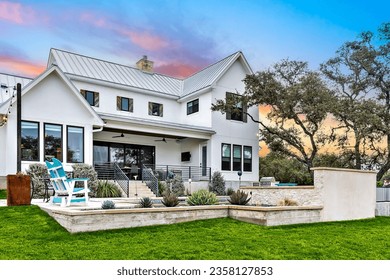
(347, 193)
(50, 101)
(231, 131)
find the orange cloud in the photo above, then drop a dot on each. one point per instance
(20, 66)
(177, 70)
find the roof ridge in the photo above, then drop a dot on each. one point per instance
(209, 66)
(116, 63)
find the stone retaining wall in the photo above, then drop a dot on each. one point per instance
(93, 220)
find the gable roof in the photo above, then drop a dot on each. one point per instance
(77, 65)
(64, 78)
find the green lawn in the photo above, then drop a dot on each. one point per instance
(29, 233)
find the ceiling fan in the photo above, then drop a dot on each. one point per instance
(117, 136)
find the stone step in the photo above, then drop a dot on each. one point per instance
(140, 188)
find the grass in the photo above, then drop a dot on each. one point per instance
(29, 233)
(3, 194)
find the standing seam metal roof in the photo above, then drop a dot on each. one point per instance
(79, 65)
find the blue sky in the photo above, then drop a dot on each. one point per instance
(181, 36)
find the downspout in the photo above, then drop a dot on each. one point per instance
(97, 129)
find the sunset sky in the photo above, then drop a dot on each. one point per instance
(181, 36)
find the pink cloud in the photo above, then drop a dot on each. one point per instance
(94, 20)
(178, 70)
(20, 66)
(145, 40)
(11, 12)
(20, 14)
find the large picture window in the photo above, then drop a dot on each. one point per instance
(226, 157)
(53, 141)
(237, 158)
(247, 158)
(30, 141)
(75, 149)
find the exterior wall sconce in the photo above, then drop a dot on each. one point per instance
(239, 173)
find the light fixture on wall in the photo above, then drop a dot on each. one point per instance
(3, 119)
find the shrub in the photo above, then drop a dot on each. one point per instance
(202, 197)
(107, 189)
(287, 202)
(239, 198)
(161, 187)
(82, 170)
(229, 191)
(170, 199)
(145, 202)
(37, 171)
(176, 185)
(108, 204)
(217, 184)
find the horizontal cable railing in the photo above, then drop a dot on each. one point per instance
(150, 180)
(112, 171)
(195, 173)
(382, 194)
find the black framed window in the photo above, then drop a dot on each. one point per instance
(238, 113)
(92, 97)
(53, 141)
(75, 140)
(193, 106)
(237, 157)
(247, 158)
(155, 109)
(124, 104)
(226, 156)
(30, 141)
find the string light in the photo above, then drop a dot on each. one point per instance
(4, 118)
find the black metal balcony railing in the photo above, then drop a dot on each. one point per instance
(111, 171)
(150, 180)
(195, 173)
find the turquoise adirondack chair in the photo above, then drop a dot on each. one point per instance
(65, 191)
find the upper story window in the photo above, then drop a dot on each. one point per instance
(239, 111)
(193, 106)
(124, 104)
(155, 109)
(30, 141)
(92, 97)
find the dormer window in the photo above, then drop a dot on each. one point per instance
(155, 109)
(92, 97)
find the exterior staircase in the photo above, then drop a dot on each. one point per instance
(140, 188)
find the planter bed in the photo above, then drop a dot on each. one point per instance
(82, 220)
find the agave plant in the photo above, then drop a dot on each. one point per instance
(170, 199)
(108, 204)
(202, 197)
(239, 198)
(146, 202)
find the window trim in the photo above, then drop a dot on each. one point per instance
(67, 143)
(244, 109)
(251, 159)
(230, 157)
(62, 139)
(193, 106)
(38, 144)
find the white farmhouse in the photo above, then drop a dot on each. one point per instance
(87, 110)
